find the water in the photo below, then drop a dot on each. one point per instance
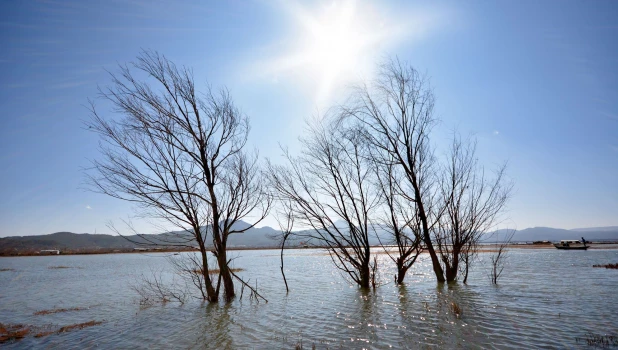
(546, 298)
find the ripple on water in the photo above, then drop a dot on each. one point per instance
(545, 299)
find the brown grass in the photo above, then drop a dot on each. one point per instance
(607, 266)
(10, 332)
(79, 326)
(44, 334)
(55, 311)
(13, 332)
(69, 328)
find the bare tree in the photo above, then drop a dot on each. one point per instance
(396, 115)
(285, 219)
(498, 258)
(154, 289)
(399, 219)
(449, 206)
(330, 193)
(472, 203)
(178, 155)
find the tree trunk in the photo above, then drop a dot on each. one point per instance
(451, 271)
(401, 272)
(228, 282)
(365, 275)
(211, 294)
(466, 261)
(435, 262)
(287, 290)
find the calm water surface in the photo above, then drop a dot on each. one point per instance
(546, 299)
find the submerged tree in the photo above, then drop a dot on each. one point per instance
(179, 155)
(448, 207)
(499, 256)
(400, 220)
(396, 116)
(285, 219)
(330, 194)
(472, 203)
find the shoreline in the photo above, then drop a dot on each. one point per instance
(483, 248)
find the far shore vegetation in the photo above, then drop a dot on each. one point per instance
(484, 248)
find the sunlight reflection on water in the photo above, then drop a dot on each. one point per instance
(546, 298)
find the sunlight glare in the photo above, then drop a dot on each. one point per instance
(335, 43)
(334, 40)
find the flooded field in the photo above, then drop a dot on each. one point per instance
(546, 299)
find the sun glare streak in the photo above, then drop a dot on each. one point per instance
(333, 46)
(330, 46)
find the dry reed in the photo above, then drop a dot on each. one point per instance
(12, 332)
(55, 311)
(69, 328)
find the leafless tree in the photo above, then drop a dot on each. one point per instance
(178, 155)
(498, 258)
(285, 219)
(330, 194)
(189, 267)
(153, 289)
(400, 220)
(396, 115)
(472, 201)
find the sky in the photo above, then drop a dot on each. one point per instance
(536, 82)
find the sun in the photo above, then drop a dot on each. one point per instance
(332, 44)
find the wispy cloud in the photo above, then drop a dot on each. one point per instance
(496, 132)
(88, 207)
(17, 85)
(17, 25)
(71, 84)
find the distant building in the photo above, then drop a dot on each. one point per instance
(49, 252)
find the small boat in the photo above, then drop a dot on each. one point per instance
(572, 244)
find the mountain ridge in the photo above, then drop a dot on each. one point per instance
(261, 237)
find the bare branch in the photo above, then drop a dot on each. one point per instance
(178, 156)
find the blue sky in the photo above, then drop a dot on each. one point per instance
(535, 81)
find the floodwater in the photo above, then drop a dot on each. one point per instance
(546, 298)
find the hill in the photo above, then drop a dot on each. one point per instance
(252, 238)
(556, 234)
(553, 234)
(85, 242)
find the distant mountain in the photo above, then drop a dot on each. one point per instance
(597, 229)
(556, 234)
(253, 238)
(63, 241)
(85, 242)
